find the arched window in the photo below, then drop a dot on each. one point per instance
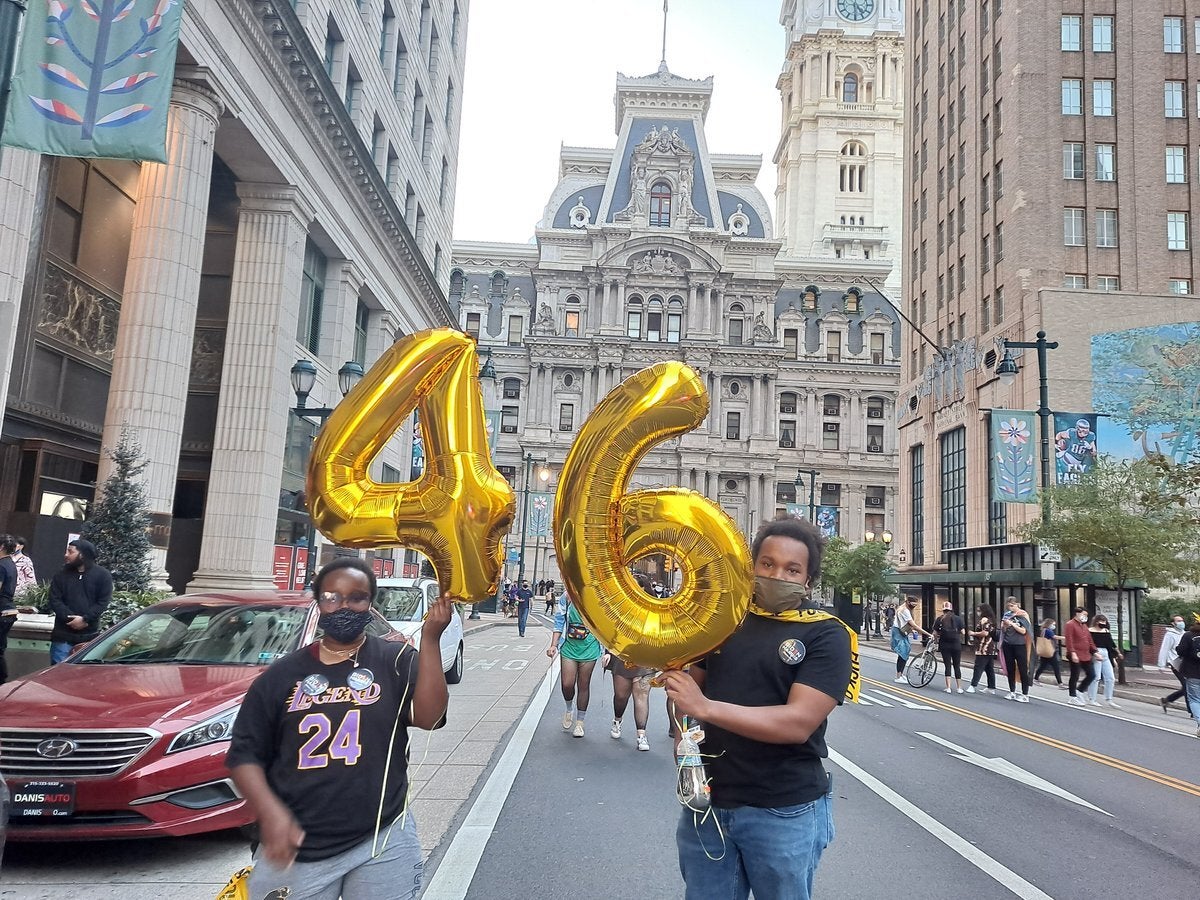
(850, 88)
(571, 317)
(499, 283)
(654, 319)
(737, 324)
(660, 204)
(853, 174)
(633, 319)
(457, 283)
(674, 320)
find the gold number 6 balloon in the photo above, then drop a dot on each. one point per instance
(459, 509)
(599, 529)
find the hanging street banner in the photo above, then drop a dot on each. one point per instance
(93, 78)
(541, 511)
(1014, 463)
(1074, 446)
(827, 520)
(795, 510)
(492, 420)
(418, 451)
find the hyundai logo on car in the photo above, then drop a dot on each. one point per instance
(56, 748)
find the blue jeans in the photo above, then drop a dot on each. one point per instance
(1103, 670)
(522, 617)
(59, 650)
(1192, 687)
(773, 852)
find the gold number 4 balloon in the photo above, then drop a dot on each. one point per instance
(599, 529)
(459, 509)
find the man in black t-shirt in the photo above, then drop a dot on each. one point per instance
(764, 698)
(319, 749)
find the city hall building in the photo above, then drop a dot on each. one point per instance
(304, 214)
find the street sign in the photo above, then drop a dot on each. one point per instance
(1047, 571)
(1048, 554)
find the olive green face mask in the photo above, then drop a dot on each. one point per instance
(776, 596)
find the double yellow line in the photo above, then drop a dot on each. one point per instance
(1130, 768)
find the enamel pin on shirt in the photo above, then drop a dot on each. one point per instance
(360, 679)
(314, 685)
(792, 651)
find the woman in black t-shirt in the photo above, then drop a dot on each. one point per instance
(949, 629)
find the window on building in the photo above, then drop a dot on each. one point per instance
(998, 305)
(733, 426)
(737, 324)
(312, 298)
(512, 388)
(1072, 33)
(831, 494)
(1176, 165)
(1108, 283)
(654, 320)
(473, 325)
(1077, 282)
(515, 329)
(831, 405)
(850, 88)
(1102, 34)
(853, 172)
(1173, 99)
(1102, 97)
(998, 241)
(954, 488)
(916, 480)
(997, 522)
(674, 320)
(833, 346)
(831, 436)
(633, 319)
(1106, 162)
(876, 498)
(985, 253)
(785, 492)
(787, 403)
(660, 205)
(1072, 97)
(1173, 34)
(1073, 227)
(1073, 161)
(1177, 231)
(571, 322)
(791, 342)
(566, 417)
(362, 325)
(508, 419)
(1106, 228)
(877, 351)
(874, 438)
(1180, 286)
(787, 433)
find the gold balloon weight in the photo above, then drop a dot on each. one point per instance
(600, 530)
(459, 509)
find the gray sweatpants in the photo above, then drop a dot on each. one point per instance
(394, 874)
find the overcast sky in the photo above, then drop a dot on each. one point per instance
(542, 73)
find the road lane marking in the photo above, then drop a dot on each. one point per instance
(1100, 711)
(903, 702)
(1121, 765)
(1001, 766)
(455, 872)
(869, 701)
(959, 845)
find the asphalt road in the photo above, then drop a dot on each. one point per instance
(939, 796)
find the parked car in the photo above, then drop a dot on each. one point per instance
(404, 602)
(127, 738)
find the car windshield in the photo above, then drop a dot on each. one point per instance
(399, 604)
(202, 634)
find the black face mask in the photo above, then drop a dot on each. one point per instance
(344, 625)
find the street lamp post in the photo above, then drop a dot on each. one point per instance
(885, 538)
(812, 490)
(543, 476)
(304, 376)
(1006, 371)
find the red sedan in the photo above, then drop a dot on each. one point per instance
(127, 738)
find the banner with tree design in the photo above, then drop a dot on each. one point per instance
(79, 67)
(1014, 463)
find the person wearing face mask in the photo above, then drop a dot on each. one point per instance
(1107, 653)
(903, 627)
(319, 749)
(1168, 659)
(949, 629)
(1189, 668)
(1014, 644)
(1081, 650)
(763, 699)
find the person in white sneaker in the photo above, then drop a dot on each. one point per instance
(1081, 650)
(577, 650)
(903, 627)
(1189, 668)
(1107, 652)
(950, 629)
(1015, 638)
(985, 650)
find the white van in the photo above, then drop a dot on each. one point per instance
(404, 602)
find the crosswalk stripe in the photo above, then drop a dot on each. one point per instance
(875, 700)
(906, 703)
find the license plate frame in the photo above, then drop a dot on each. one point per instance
(41, 799)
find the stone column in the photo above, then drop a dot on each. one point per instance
(619, 319)
(152, 360)
(714, 405)
(19, 182)
(858, 423)
(256, 393)
(755, 425)
(343, 283)
(813, 419)
(692, 323)
(716, 322)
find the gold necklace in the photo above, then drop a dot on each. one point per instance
(351, 654)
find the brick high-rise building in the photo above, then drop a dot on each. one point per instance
(1051, 159)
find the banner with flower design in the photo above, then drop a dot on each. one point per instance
(1014, 462)
(541, 513)
(93, 78)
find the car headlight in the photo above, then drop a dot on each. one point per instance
(218, 728)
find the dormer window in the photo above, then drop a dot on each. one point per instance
(660, 205)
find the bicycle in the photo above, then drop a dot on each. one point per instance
(922, 669)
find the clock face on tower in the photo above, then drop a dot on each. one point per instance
(855, 10)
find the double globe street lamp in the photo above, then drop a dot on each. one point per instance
(304, 377)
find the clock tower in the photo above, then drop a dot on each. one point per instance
(840, 153)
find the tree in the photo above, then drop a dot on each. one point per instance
(1116, 517)
(862, 570)
(119, 521)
